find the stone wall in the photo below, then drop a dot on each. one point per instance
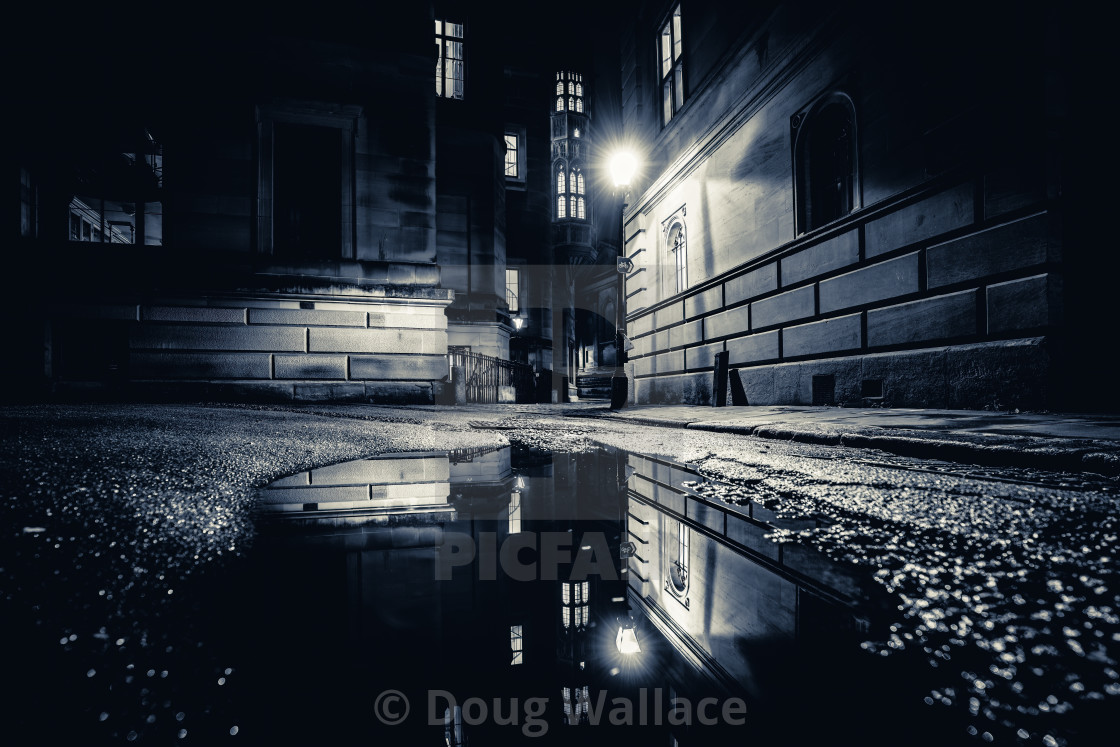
(378, 348)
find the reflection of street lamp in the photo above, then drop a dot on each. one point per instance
(622, 166)
(626, 641)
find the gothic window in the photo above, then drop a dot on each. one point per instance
(575, 596)
(569, 83)
(670, 52)
(825, 162)
(570, 195)
(450, 75)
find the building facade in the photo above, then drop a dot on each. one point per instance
(856, 203)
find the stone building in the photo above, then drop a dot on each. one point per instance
(283, 205)
(855, 202)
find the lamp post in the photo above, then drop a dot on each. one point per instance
(622, 166)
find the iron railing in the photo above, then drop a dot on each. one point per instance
(484, 375)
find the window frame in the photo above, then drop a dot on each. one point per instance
(802, 134)
(518, 180)
(515, 305)
(670, 75)
(443, 37)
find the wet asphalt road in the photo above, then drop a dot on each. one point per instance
(115, 518)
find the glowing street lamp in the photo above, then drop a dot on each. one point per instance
(623, 164)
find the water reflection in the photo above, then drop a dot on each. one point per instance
(515, 595)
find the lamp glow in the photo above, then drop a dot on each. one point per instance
(622, 166)
(627, 640)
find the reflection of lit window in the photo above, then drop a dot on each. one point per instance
(678, 570)
(453, 727)
(575, 612)
(576, 703)
(515, 512)
(516, 645)
(449, 60)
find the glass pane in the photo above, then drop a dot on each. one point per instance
(153, 223)
(678, 87)
(455, 29)
(677, 34)
(667, 100)
(666, 50)
(439, 28)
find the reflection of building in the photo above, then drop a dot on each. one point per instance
(848, 220)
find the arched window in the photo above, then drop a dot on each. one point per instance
(825, 162)
(575, 132)
(560, 187)
(580, 214)
(675, 240)
(561, 206)
(678, 567)
(579, 89)
(559, 88)
(579, 182)
(579, 105)
(559, 103)
(571, 103)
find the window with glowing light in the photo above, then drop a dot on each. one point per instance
(450, 72)
(574, 612)
(670, 51)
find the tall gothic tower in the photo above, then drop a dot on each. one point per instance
(573, 232)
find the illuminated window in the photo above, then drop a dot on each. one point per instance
(575, 132)
(514, 504)
(516, 644)
(513, 298)
(670, 52)
(570, 84)
(512, 167)
(561, 207)
(679, 250)
(575, 612)
(450, 75)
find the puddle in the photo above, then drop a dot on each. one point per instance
(440, 579)
(515, 596)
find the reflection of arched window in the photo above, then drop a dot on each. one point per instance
(574, 612)
(825, 162)
(678, 567)
(678, 247)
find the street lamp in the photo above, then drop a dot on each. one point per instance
(622, 165)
